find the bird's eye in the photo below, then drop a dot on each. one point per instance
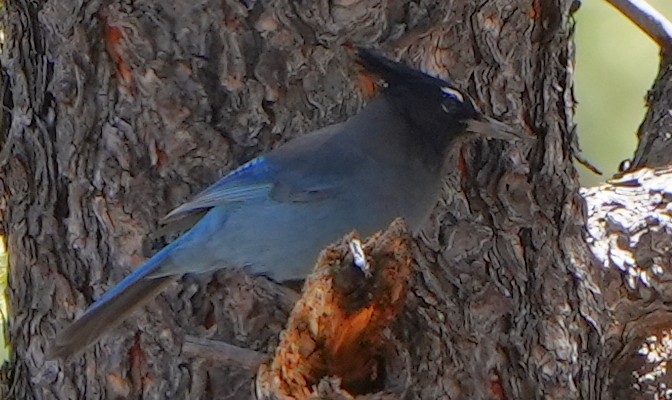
(450, 92)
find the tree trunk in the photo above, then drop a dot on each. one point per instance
(121, 111)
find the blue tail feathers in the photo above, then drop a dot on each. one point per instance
(114, 306)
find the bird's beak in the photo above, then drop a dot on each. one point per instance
(491, 128)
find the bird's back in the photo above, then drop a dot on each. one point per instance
(330, 182)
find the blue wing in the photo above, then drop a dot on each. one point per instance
(252, 180)
(304, 170)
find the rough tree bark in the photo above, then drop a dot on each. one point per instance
(121, 110)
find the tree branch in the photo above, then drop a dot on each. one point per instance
(629, 229)
(648, 19)
(222, 352)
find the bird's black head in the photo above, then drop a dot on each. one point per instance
(437, 110)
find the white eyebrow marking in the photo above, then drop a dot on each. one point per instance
(452, 93)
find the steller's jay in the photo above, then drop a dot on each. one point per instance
(274, 214)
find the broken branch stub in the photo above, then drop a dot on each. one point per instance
(338, 331)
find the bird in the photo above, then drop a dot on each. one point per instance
(274, 214)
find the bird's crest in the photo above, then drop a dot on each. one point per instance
(396, 73)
